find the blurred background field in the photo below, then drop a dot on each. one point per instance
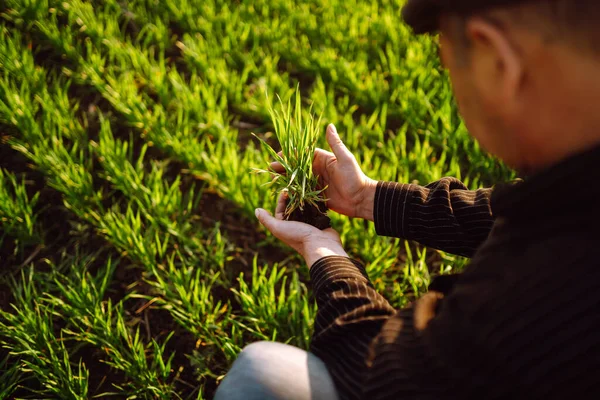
(131, 264)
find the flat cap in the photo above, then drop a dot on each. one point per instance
(423, 15)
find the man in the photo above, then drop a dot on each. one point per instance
(523, 319)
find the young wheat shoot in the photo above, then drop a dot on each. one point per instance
(297, 136)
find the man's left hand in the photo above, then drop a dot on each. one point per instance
(310, 242)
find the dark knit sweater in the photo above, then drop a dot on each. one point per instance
(522, 320)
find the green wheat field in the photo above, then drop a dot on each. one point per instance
(131, 264)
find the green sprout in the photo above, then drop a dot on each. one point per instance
(297, 136)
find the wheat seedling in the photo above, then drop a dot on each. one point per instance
(297, 136)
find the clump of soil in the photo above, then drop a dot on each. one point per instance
(312, 215)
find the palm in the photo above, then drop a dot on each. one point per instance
(344, 183)
(309, 241)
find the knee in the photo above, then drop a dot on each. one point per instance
(256, 352)
(270, 370)
(245, 378)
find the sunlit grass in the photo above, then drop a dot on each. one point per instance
(130, 115)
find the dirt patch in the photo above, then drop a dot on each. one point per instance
(315, 216)
(53, 220)
(102, 376)
(157, 324)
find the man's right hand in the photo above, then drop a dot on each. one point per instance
(349, 191)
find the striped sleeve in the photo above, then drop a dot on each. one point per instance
(370, 349)
(443, 215)
(350, 315)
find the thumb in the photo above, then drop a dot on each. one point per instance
(267, 220)
(338, 147)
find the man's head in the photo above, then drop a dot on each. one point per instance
(526, 74)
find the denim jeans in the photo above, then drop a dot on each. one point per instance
(276, 371)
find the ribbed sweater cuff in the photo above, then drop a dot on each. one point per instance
(330, 269)
(391, 208)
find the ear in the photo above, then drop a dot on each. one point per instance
(496, 65)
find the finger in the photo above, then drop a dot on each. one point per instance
(323, 154)
(276, 167)
(321, 160)
(281, 205)
(425, 309)
(268, 221)
(337, 146)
